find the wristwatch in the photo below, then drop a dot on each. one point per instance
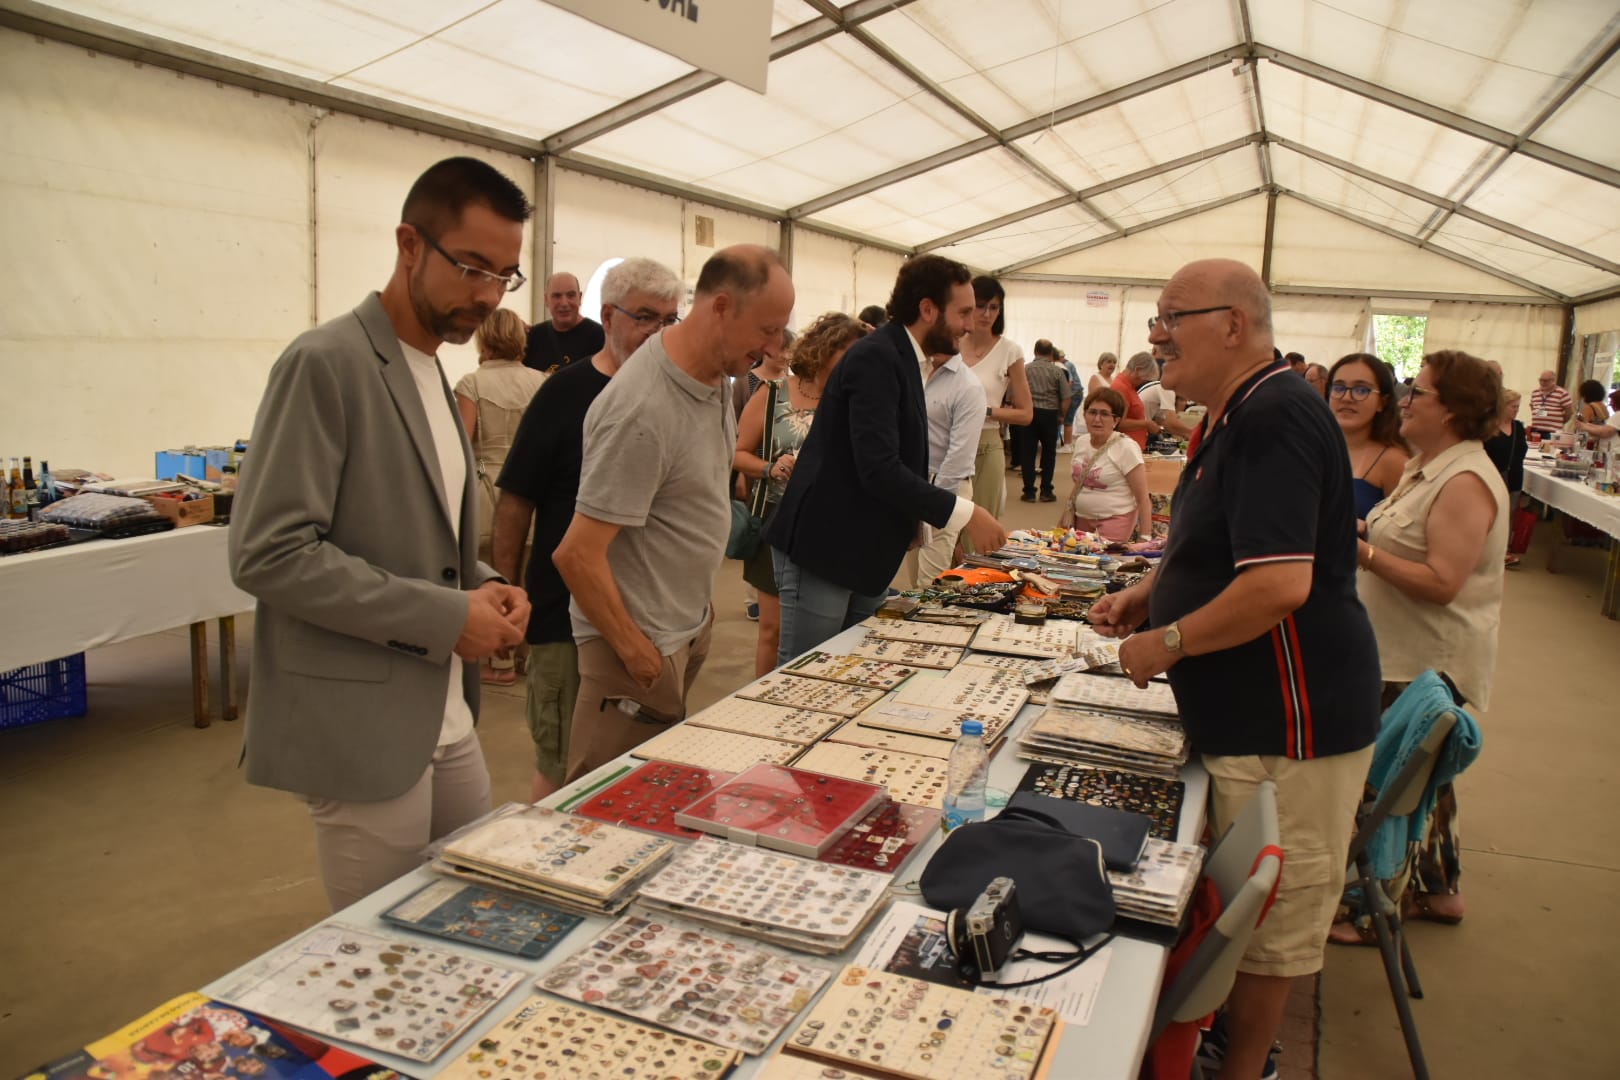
(1172, 637)
(987, 411)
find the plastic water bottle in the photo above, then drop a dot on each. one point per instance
(965, 777)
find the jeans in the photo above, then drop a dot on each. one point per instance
(1043, 430)
(814, 609)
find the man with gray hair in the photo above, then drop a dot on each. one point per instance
(1140, 370)
(1050, 391)
(539, 483)
(654, 507)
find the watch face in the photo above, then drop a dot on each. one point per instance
(1172, 638)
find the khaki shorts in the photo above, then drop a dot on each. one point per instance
(1316, 813)
(553, 687)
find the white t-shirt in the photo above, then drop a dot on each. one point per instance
(1103, 491)
(445, 425)
(992, 372)
(1157, 400)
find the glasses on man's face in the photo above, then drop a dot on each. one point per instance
(1100, 414)
(647, 320)
(508, 282)
(1356, 393)
(1171, 319)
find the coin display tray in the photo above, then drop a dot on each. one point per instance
(885, 838)
(385, 993)
(1055, 638)
(708, 748)
(850, 670)
(1157, 799)
(926, 633)
(748, 888)
(915, 654)
(922, 1030)
(651, 795)
(556, 852)
(938, 706)
(909, 778)
(1100, 693)
(547, 1039)
(856, 733)
(800, 693)
(691, 979)
(763, 720)
(785, 809)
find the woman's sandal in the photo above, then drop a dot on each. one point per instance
(1418, 907)
(1352, 933)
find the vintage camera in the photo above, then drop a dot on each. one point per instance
(983, 936)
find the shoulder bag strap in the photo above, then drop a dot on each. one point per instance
(762, 489)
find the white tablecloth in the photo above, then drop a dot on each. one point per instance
(1110, 1047)
(1574, 498)
(66, 600)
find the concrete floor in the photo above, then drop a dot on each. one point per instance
(140, 865)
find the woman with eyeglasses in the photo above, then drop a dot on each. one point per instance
(491, 400)
(1431, 580)
(1361, 393)
(1110, 496)
(768, 446)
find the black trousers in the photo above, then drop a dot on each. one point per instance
(1042, 434)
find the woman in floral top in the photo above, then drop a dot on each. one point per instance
(766, 453)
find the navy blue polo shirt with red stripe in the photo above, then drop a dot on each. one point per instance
(1269, 483)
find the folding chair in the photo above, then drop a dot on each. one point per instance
(1244, 867)
(1399, 798)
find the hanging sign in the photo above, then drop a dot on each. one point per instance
(731, 38)
(1096, 298)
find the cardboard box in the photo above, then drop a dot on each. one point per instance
(1162, 475)
(195, 512)
(172, 463)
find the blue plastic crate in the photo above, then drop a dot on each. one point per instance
(39, 692)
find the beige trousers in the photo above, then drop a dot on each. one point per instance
(362, 846)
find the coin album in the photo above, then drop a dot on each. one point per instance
(909, 778)
(926, 633)
(913, 654)
(1055, 638)
(708, 748)
(801, 693)
(1156, 798)
(763, 720)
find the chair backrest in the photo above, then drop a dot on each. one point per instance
(1232, 859)
(1402, 794)
(1244, 872)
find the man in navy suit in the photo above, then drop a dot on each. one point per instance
(859, 495)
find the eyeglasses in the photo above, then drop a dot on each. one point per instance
(1356, 393)
(508, 282)
(1171, 319)
(1417, 392)
(647, 320)
(1100, 414)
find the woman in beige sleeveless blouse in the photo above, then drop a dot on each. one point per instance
(491, 401)
(1431, 575)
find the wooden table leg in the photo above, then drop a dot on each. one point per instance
(1611, 581)
(227, 667)
(199, 673)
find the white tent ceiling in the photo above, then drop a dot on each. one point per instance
(1474, 139)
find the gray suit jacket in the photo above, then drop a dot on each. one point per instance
(341, 531)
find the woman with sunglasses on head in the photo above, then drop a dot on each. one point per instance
(1361, 393)
(1110, 496)
(1431, 581)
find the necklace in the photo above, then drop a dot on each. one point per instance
(805, 390)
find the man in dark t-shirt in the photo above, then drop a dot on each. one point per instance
(539, 482)
(1256, 619)
(567, 336)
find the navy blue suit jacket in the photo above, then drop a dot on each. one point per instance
(860, 484)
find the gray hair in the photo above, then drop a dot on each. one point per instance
(1142, 366)
(1105, 358)
(642, 276)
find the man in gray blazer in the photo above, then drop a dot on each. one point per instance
(355, 526)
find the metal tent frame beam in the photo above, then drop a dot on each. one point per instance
(1006, 136)
(1132, 230)
(1194, 158)
(1426, 245)
(1293, 290)
(1449, 206)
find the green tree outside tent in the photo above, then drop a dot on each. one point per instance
(1398, 339)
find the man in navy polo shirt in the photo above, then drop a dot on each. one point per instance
(1255, 617)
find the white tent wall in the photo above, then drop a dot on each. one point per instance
(1082, 320)
(597, 220)
(823, 276)
(875, 271)
(158, 240)
(1598, 318)
(1321, 328)
(1523, 339)
(363, 171)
